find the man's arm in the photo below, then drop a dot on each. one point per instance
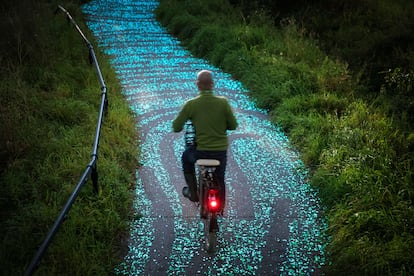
(231, 119)
(180, 120)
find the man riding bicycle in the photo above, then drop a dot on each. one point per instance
(211, 117)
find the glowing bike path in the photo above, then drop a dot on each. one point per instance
(271, 225)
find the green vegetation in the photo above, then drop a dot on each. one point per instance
(354, 132)
(49, 105)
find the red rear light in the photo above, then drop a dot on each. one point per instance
(213, 200)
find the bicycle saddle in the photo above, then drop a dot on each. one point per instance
(208, 162)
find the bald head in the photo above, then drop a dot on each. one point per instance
(205, 80)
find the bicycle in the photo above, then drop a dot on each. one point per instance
(210, 202)
(209, 190)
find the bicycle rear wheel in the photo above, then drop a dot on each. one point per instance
(210, 234)
(211, 242)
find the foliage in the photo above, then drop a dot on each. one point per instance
(359, 147)
(48, 112)
(374, 37)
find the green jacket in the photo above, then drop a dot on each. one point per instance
(211, 116)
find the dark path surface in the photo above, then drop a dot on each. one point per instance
(271, 225)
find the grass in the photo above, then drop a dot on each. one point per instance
(48, 112)
(372, 36)
(359, 149)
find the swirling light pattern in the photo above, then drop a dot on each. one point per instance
(272, 223)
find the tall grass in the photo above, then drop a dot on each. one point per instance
(48, 113)
(359, 152)
(373, 35)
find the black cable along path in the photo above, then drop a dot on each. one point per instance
(271, 225)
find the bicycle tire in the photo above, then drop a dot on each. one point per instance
(210, 236)
(211, 242)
